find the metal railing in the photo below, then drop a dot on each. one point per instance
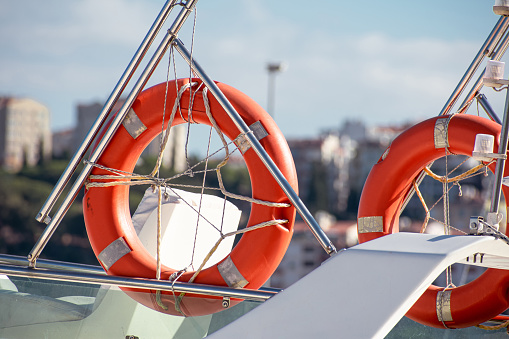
(79, 273)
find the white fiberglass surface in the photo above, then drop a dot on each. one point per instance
(34, 308)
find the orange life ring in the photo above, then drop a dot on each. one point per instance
(381, 201)
(257, 254)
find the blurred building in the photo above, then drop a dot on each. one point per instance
(304, 254)
(25, 135)
(175, 150)
(322, 166)
(62, 143)
(371, 143)
(86, 114)
(68, 141)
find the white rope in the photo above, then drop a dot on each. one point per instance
(158, 246)
(201, 201)
(446, 177)
(447, 226)
(168, 128)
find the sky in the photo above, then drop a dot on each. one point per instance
(382, 62)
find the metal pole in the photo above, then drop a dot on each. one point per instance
(73, 192)
(486, 49)
(502, 149)
(178, 287)
(270, 95)
(493, 40)
(273, 68)
(255, 144)
(479, 83)
(51, 264)
(42, 216)
(488, 109)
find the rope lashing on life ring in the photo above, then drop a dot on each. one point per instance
(495, 327)
(106, 210)
(384, 192)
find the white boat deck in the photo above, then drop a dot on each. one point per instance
(362, 292)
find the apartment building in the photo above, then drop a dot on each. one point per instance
(322, 166)
(68, 141)
(25, 135)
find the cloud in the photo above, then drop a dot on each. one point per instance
(55, 28)
(427, 66)
(333, 76)
(76, 51)
(68, 50)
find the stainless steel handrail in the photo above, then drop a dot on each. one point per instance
(483, 101)
(15, 260)
(141, 283)
(43, 215)
(486, 49)
(497, 55)
(108, 134)
(500, 165)
(119, 117)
